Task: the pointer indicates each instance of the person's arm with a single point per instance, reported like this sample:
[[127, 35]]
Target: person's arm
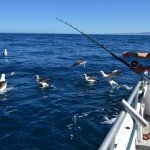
[[141, 69], [144, 55]]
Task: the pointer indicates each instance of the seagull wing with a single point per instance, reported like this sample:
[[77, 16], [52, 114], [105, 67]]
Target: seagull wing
[[44, 80], [92, 77], [115, 73], [75, 64], [2, 84]]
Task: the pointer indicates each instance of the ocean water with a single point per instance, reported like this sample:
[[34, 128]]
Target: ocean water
[[71, 113]]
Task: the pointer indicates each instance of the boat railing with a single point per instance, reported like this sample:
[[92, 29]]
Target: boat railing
[[109, 141]]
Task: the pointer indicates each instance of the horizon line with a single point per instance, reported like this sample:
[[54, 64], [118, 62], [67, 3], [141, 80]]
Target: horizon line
[[126, 33]]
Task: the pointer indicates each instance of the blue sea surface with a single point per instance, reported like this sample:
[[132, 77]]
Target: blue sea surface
[[70, 114]]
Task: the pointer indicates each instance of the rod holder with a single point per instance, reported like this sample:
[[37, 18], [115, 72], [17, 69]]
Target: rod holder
[[138, 118]]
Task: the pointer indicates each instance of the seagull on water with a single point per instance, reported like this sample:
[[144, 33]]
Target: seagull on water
[[112, 74], [42, 82], [12, 74], [90, 79], [3, 84], [79, 62], [5, 52]]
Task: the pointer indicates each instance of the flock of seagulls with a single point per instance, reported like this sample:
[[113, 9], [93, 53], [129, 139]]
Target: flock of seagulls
[[43, 83], [3, 83], [108, 77]]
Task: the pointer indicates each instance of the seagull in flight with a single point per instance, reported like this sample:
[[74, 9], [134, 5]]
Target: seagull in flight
[[42, 82], [79, 62]]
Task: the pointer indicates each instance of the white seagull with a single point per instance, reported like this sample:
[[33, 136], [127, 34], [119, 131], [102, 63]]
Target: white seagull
[[12, 74], [3, 84], [42, 82], [90, 79], [5, 52], [112, 74], [114, 84], [79, 62]]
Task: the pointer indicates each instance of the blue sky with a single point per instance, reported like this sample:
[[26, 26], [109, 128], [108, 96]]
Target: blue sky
[[90, 16]]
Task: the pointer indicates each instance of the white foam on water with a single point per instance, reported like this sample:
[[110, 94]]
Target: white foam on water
[[10, 88], [108, 121], [117, 87], [126, 87]]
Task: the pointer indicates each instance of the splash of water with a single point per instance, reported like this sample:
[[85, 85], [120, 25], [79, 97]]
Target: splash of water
[[108, 121]]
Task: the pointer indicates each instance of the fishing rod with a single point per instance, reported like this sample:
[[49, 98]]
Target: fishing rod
[[101, 45], [134, 64]]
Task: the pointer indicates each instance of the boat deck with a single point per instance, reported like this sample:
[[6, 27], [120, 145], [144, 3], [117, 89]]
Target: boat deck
[[125, 138], [145, 144]]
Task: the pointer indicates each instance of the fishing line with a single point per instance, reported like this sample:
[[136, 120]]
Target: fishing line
[[134, 63]]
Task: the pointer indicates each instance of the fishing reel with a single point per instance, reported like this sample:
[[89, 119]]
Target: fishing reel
[[135, 64]]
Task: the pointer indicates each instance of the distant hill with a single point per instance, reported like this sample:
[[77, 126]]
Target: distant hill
[[130, 33], [140, 33], [144, 33]]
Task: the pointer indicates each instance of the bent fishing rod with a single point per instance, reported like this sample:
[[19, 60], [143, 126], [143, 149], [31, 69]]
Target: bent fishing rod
[[134, 63]]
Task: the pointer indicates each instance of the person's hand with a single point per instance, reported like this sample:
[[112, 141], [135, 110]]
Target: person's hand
[[128, 54]]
